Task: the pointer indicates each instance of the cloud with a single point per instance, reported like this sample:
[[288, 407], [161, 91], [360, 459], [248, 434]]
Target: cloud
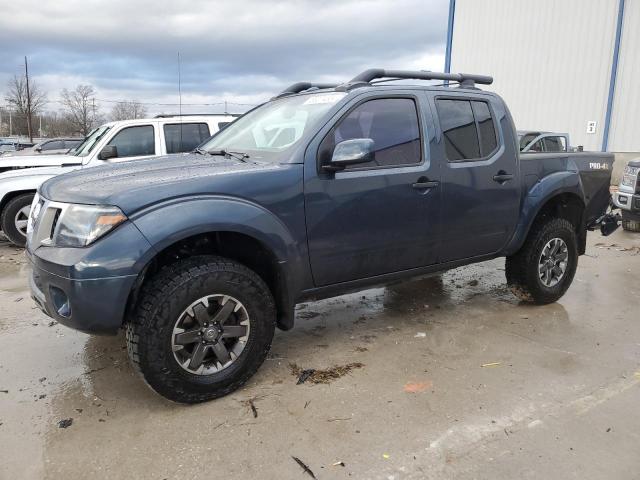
[[239, 50]]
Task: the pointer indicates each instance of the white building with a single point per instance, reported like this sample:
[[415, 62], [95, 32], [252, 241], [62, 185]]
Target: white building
[[561, 65]]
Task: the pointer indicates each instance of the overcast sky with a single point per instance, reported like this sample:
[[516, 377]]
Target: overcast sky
[[242, 51]]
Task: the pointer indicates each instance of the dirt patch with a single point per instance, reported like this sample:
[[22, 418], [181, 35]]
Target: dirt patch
[[322, 375]]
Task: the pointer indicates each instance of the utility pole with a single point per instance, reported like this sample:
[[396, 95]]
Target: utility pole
[[26, 74]]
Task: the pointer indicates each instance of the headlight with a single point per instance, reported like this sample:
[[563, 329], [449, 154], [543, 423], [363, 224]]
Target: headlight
[[629, 176], [81, 225]]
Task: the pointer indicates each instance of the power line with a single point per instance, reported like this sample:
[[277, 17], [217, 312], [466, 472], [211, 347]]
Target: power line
[[167, 104]]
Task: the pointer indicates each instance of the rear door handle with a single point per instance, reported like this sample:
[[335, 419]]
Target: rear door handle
[[423, 185], [502, 177]]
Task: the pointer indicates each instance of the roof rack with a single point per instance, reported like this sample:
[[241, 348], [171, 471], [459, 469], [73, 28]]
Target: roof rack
[[464, 79], [170, 115], [302, 86]]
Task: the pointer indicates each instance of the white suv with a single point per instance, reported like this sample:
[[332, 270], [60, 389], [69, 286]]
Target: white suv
[[113, 142]]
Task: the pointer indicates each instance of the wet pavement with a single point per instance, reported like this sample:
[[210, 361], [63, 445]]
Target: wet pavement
[[459, 380]]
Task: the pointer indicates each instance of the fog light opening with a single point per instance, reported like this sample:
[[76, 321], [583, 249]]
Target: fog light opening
[[60, 302]]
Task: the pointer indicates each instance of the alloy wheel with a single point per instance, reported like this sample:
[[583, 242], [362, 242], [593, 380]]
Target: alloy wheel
[[553, 261], [210, 334]]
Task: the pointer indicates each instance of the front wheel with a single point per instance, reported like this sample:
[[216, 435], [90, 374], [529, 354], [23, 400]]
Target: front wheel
[[630, 223], [202, 328], [543, 269], [15, 216]]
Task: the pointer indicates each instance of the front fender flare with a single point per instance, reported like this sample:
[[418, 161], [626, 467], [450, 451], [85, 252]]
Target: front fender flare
[[169, 222], [177, 219]]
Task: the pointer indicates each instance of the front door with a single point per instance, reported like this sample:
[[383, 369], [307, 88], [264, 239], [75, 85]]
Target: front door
[[375, 218]]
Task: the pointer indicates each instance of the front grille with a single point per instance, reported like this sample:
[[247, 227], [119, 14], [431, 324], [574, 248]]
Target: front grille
[[44, 225]]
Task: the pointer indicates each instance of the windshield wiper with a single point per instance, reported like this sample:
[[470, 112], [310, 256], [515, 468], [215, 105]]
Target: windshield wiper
[[201, 151], [226, 153]]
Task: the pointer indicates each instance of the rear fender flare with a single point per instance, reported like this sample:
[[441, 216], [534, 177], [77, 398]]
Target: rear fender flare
[[536, 198]]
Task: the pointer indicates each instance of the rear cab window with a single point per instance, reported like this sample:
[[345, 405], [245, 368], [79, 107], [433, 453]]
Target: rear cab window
[[392, 124], [468, 128]]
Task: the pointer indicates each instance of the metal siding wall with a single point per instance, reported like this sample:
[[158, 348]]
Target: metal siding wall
[[551, 60], [625, 120]]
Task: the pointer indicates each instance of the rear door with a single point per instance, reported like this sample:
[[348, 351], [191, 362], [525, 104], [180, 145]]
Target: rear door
[[375, 218], [480, 178]]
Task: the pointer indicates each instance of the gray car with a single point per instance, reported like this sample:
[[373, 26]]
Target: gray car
[[51, 146]]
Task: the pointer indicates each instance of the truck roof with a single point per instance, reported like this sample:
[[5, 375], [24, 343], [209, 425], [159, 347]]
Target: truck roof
[[174, 118]]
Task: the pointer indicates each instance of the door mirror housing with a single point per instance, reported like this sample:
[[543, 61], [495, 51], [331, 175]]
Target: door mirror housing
[[107, 152], [351, 152], [38, 149]]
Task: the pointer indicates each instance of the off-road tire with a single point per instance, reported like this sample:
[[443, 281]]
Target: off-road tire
[[161, 301], [629, 223], [7, 219], [522, 268]]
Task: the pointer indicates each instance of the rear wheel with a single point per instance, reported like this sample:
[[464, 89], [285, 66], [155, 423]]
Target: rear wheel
[[14, 218], [630, 223], [202, 328], [543, 269]]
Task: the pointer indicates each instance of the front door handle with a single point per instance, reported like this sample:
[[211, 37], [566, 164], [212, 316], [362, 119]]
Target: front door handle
[[424, 184], [502, 177]]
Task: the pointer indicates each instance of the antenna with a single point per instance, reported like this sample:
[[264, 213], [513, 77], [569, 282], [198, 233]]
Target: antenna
[[180, 99]]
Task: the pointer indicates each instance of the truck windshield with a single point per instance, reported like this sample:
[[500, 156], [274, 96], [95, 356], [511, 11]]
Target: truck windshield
[[526, 139], [87, 145], [275, 126]]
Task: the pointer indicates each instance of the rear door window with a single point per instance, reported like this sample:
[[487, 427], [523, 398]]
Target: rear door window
[[135, 141], [468, 128], [184, 137], [486, 128], [458, 126]]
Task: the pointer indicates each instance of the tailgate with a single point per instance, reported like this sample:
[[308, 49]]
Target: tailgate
[[595, 173]]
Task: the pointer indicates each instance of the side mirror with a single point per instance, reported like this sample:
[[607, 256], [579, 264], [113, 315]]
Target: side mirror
[[351, 152], [107, 152], [38, 149]]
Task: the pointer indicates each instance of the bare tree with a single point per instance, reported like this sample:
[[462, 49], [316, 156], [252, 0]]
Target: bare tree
[[80, 108], [25, 103], [128, 110]]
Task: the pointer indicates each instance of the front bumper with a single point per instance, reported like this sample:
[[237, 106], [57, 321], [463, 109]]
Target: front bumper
[[90, 305], [627, 201], [88, 288]]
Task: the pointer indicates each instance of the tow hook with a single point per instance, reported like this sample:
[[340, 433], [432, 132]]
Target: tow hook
[[609, 223]]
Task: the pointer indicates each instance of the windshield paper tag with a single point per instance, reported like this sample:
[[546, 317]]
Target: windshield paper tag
[[324, 98]]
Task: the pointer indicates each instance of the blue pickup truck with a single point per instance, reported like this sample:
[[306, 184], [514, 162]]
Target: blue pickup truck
[[323, 190]]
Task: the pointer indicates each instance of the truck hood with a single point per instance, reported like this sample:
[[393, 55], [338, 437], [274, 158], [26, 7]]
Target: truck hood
[[32, 161], [135, 184]]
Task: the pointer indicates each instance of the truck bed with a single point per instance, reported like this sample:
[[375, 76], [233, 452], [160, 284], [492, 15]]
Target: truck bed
[[594, 169]]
